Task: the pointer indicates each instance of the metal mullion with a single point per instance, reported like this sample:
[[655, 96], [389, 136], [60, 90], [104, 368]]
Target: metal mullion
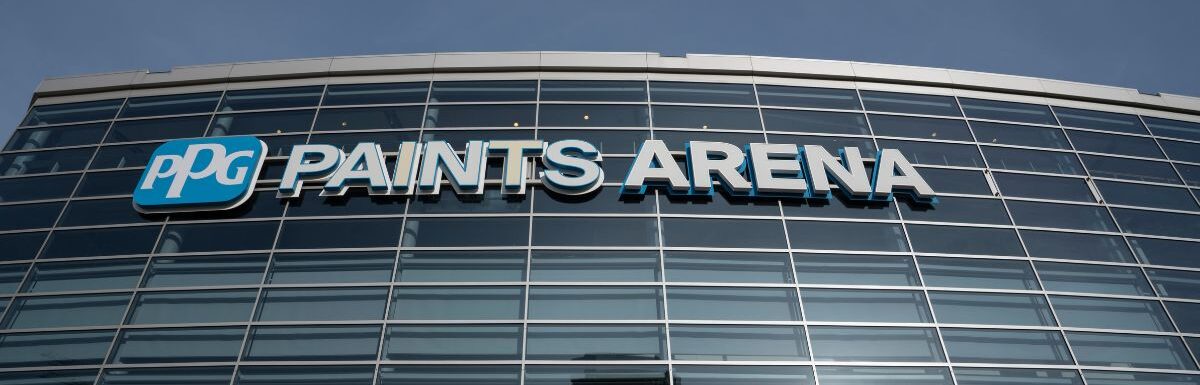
[[257, 297], [387, 307], [1173, 167], [528, 282], [662, 276]]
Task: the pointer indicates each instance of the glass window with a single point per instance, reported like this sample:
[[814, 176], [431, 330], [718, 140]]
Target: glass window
[[453, 342], [593, 232], [1039, 214], [330, 375], [712, 233], [605, 302], [702, 266], [171, 105], [678, 140], [991, 309], [831, 143], [593, 90], [336, 119], [955, 209], [956, 181], [1147, 195], [594, 266], [36, 188], [384, 93], [422, 232], [457, 303], [977, 273], [218, 236], [865, 305], [1006, 346], [743, 375], [1157, 222], [846, 236], [181, 375], [483, 91], [261, 123], [57, 377], [913, 127], [1043, 187], [40, 162], [500, 115], [1176, 283], [1020, 135], [738, 343], [1132, 169], [1097, 120], [459, 139], [838, 206], [1166, 252], [602, 200], [705, 93], [356, 202], [910, 103], [459, 266], [808, 97], [1130, 351], [49, 137], [577, 375], [989, 376], [193, 307], [54, 349], [491, 201], [1015, 112], [72, 112], [66, 311], [96, 242], [748, 304], [84, 275], [1181, 151], [1173, 128], [147, 346], [243, 100], [1032, 160], [155, 129], [940, 154], [281, 145], [595, 342], [325, 304], [206, 270], [1186, 316], [351, 233], [1095, 377], [1111, 313], [312, 343], [724, 118], [835, 269], [103, 212], [607, 141], [1115, 144], [838, 343], [815, 121], [18, 246], [132, 155], [1083, 247], [593, 115], [1093, 278], [108, 183], [10, 277], [461, 374]]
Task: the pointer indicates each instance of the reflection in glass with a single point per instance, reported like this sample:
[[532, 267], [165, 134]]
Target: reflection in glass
[[738, 343]]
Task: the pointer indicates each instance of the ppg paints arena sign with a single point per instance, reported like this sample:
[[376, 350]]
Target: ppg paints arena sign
[[220, 173]]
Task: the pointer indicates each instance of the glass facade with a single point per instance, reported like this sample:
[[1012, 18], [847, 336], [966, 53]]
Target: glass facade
[[1063, 248]]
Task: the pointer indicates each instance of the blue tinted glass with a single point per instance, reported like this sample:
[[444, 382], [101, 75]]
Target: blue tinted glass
[[831, 143], [723, 118], [37, 188], [952, 181], [1084, 247], [994, 309], [386, 93], [19, 246], [593, 90], [834, 269], [457, 303], [243, 100], [1016, 112], [326, 304], [502, 115], [865, 305], [913, 127], [595, 342], [352, 203], [144, 346], [335, 119], [1157, 222], [708, 93], [1132, 169], [910, 103], [955, 209], [206, 271], [56, 377], [814, 121], [193, 307], [1147, 195], [103, 212], [1044, 187], [1096, 120], [1115, 144], [453, 342], [73, 112], [577, 375], [353, 233], [846, 236], [698, 266], [1186, 315], [1006, 346], [154, 129], [450, 374], [11, 276], [1173, 128], [218, 236], [711, 233], [1110, 313], [108, 183], [54, 349], [1093, 278], [95, 242], [592, 232], [460, 266], [607, 141], [1020, 135], [1095, 377], [1039, 214], [743, 375], [184, 375], [66, 311], [589, 303], [331, 267], [132, 155], [305, 375], [593, 115], [978, 273], [421, 232], [738, 343], [1166, 252], [261, 123], [90, 275], [603, 200], [312, 343], [1032, 160], [1124, 350], [594, 266], [171, 105], [991, 376], [854, 375], [838, 343], [1176, 283], [484, 91], [750, 304], [40, 162], [838, 207], [1181, 151], [35, 138], [940, 154], [808, 97]]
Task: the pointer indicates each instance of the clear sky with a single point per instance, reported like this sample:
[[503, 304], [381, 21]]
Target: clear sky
[[1150, 45]]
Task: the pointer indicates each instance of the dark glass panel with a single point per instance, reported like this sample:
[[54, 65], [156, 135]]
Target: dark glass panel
[[857, 375], [594, 266], [1132, 169], [595, 342], [839, 343], [504, 115], [218, 236], [336, 119], [351, 233], [1032, 160], [600, 374], [261, 123], [450, 374], [37, 138], [38, 188], [357, 202], [977, 273], [72, 112], [1083, 247], [1115, 144], [1158, 223], [312, 343], [444, 232], [743, 375], [108, 183], [1015, 112], [814, 121], [305, 375], [1099, 279], [694, 232], [193, 307], [991, 309], [1096, 120], [604, 200], [1166, 252], [218, 270], [1181, 151], [171, 104], [331, 267], [607, 141], [808, 97], [180, 375], [866, 146], [913, 127], [484, 91], [103, 212], [1006, 346], [84, 275], [724, 118], [703, 93], [956, 181], [1173, 128], [846, 236], [941, 154], [152, 346], [738, 343], [592, 232], [835, 269], [448, 202], [595, 303], [1111, 313], [461, 266], [1126, 351], [992, 376], [54, 349], [593, 115], [39, 162], [910, 103], [964, 240], [746, 304], [1044, 187], [384, 93], [453, 342], [956, 209], [840, 305], [457, 303], [593, 90], [1040, 214], [95, 242], [1176, 283], [131, 155], [19, 246], [324, 304], [66, 311], [1020, 135], [1147, 195], [709, 266], [29, 216], [243, 100], [155, 129]]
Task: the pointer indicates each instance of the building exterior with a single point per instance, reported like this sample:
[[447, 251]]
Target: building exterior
[[1063, 247]]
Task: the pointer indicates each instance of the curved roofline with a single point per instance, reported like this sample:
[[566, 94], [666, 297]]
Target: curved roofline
[[737, 65]]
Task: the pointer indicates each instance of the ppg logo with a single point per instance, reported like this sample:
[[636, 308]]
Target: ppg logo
[[200, 174]]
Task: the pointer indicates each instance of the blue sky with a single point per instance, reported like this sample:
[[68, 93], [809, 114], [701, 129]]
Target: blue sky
[[1149, 45]]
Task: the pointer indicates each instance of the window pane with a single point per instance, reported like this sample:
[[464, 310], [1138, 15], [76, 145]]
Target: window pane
[[10, 277], [989, 376], [40, 162], [484, 91], [86, 275], [834, 375], [964, 240], [955, 209], [54, 349], [505, 115], [133, 155], [457, 303], [738, 343], [433, 232], [603, 200], [1115, 144], [593, 90], [1080, 217], [206, 271], [712, 233], [865, 305], [594, 266], [153, 129], [991, 309], [831, 143], [386, 93], [808, 97], [1166, 252], [723, 118], [95, 242], [956, 181], [218, 236], [66, 311], [1147, 195], [814, 121], [171, 105], [326, 304], [332, 267], [335, 119], [593, 232], [56, 377], [846, 236], [72, 112], [1136, 351], [1093, 278], [108, 183], [297, 375], [607, 141], [184, 375], [758, 304], [698, 266], [1109, 313], [312, 343], [352, 233], [35, 138], [743, 375], [1132, 169], [146, 346], [450, 374], [271, 98], [193, 307], [1131, 378], [1173, 128], [1016, 112], [1097, 120], [834, 269], [1084, 247], [1031, 160], [977, 273], [593, 115], [707, 93], [578, 375], [1006, 346], [910, 103], [595, 343], [18, 246], [590, 303], [461, 266], [261, 123], [29, 216], [103, 212], [1176, 283], [1157, 223], [912, 127], [1020, 135], [457, 342], [941, 154], [37, 188], [838, 343], [1044, 187], [1181, 151], [459, 139], [1186, 316]]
